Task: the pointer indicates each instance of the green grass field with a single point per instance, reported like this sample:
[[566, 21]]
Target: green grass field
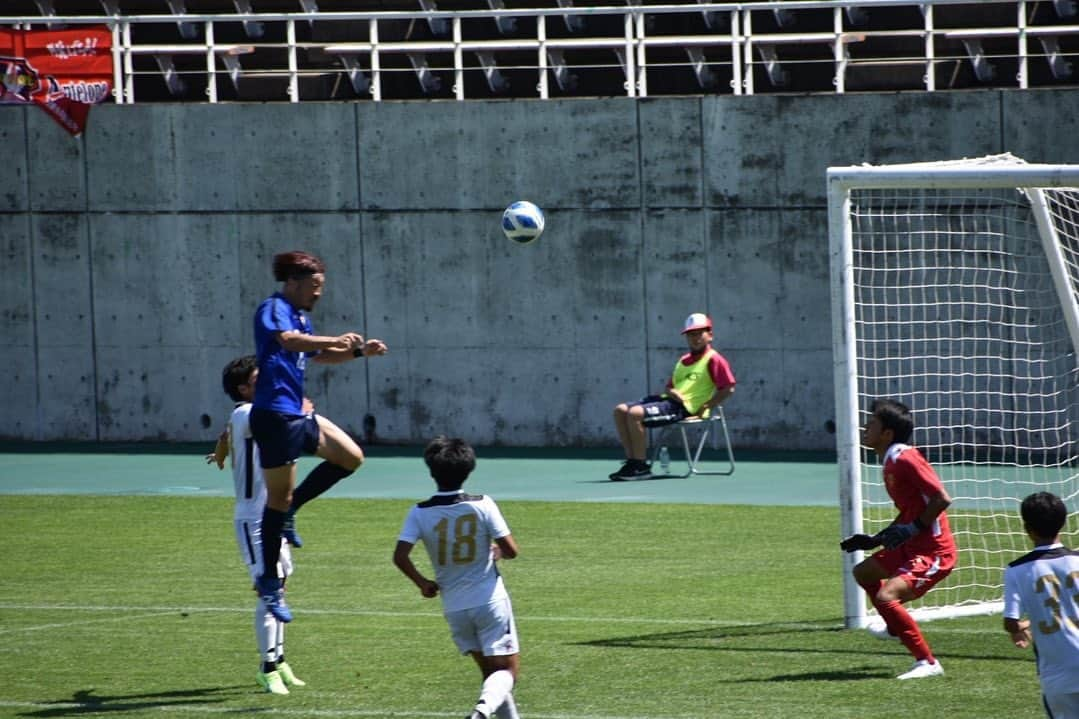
[[140, 607]]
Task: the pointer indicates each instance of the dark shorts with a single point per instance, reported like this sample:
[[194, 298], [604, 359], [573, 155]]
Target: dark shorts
[[283, 438], [659, 411]]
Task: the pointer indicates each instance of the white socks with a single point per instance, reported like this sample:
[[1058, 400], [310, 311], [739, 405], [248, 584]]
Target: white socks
[[508, 710], [266, 633], [496, 689]]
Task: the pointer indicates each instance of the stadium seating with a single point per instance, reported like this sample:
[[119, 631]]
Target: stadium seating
[[297, 50]]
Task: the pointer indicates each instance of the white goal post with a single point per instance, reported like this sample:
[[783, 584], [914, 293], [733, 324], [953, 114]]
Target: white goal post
[[954, 291]]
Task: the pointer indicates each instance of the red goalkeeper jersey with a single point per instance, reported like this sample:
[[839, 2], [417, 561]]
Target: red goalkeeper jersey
[[911, 482]]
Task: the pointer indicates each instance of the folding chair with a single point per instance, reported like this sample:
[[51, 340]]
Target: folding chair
[[711, 425]]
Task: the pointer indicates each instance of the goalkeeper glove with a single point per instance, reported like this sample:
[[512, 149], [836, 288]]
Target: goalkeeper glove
[[895, 534], [859, 541]]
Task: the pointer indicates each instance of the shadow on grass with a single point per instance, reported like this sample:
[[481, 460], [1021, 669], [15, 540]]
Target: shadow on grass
[[86, 702], [708, 636], [826, 637], [846, 675]]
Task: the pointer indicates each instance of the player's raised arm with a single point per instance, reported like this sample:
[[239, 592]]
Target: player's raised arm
[[221, 450]]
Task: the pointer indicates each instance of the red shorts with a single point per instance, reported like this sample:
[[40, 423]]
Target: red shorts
[[921, 572]]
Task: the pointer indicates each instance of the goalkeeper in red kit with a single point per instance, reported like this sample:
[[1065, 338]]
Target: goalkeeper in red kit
[[918, 548]]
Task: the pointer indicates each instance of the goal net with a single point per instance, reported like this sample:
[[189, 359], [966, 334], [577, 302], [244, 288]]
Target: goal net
[[954, 291]]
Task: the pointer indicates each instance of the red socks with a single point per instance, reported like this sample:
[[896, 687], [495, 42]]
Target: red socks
[[901, 624]]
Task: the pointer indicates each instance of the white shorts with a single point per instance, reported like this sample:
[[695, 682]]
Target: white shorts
[[249, 539], [1062, 706], [488, 629]]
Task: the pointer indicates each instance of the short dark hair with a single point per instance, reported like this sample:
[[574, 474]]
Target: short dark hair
[[895, 416], [296, 263], [236, 373], [1044, 514], [450, 460]]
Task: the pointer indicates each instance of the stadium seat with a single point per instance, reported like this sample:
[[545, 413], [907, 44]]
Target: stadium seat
[[702, 429], [163, 55]]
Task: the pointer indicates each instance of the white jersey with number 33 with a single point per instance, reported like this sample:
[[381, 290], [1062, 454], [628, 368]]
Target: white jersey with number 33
[[1044, 586], [457, 530]]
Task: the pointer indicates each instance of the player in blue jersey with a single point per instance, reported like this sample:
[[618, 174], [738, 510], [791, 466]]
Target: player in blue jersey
[[464, 536], [284, 342], [239, 379], [1042, 586]]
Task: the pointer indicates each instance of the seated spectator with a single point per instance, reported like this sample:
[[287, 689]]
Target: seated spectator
[[702, 379]]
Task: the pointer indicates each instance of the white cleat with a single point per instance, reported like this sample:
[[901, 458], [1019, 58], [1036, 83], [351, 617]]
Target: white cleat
[[923, 668], [880, 631]]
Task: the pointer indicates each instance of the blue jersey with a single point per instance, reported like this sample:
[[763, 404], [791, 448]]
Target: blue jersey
[[280, 383]]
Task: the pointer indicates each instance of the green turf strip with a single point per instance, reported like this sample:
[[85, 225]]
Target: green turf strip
[[139, 607]]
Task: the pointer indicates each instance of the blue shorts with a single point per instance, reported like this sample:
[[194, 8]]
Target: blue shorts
[[283, 438], [659, 411]]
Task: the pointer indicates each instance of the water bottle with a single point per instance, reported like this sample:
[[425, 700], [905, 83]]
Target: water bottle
[[664, 459]]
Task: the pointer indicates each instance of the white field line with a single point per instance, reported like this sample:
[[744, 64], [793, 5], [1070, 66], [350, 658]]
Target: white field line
[[427, 615], [126, 611], [205, 709], [60, 625]]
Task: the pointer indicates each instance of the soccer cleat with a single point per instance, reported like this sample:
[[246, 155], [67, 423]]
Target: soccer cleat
[[272, 682], [923, 668], [478, 712], [288, 677], [273, 596], [880, 631], [288, 530], [632, 469]]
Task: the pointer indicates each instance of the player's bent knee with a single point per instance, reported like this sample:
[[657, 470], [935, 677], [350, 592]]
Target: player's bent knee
[[498, 663], [353, 462]]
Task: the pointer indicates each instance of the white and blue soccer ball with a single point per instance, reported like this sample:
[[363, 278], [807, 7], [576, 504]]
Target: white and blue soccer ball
[[522, 222]]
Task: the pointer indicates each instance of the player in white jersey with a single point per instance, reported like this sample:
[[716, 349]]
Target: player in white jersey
[[1044, 587], [238, 380], [464, 536]]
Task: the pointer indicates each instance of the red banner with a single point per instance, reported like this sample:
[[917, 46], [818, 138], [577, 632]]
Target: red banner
[[63, 71]]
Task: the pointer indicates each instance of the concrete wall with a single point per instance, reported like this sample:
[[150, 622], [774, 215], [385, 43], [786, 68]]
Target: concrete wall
[[135, 255]]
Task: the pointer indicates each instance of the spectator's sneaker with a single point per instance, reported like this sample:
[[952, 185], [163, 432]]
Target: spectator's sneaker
[[272, 682], [632, 469], [273, 596], [288, 677], [923, 668], [288, 530]]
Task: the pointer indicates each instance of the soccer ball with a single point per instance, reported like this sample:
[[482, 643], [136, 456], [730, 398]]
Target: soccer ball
[[522, 222]]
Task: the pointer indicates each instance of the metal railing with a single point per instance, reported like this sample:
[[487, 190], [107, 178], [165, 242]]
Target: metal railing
[[631, 50]]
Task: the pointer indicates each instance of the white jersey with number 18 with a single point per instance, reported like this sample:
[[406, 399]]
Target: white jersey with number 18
[[457, 530]]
